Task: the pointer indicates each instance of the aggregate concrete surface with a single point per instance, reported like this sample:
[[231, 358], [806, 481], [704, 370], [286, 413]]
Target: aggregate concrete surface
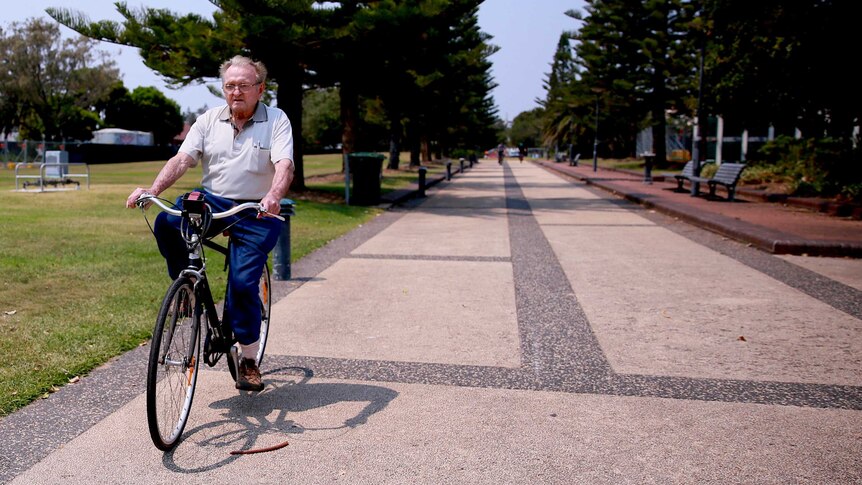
[[515, 326]]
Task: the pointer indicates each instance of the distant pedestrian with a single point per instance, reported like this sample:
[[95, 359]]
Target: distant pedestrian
[[501, 153]]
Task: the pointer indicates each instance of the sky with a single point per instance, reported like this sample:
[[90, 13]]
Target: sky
[[526, 31]]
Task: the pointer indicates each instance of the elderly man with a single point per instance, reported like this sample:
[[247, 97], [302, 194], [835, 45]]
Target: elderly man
[[246, 152]]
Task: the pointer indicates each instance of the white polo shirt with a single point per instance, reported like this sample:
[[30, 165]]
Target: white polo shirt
[[241, 166]]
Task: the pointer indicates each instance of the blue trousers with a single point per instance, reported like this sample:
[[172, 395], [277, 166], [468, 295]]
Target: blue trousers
[[251, 241]]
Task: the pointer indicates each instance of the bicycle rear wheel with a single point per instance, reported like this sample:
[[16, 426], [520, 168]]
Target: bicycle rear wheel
[[265, 307], [172, 371]]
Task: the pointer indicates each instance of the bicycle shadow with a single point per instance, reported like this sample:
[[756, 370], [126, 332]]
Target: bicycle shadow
[[269, 416]]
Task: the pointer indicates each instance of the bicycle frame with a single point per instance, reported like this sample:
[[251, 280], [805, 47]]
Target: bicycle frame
[[217, 341], [188, 305]]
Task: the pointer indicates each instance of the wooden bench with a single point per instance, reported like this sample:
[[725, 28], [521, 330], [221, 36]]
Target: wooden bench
[[728, 175]]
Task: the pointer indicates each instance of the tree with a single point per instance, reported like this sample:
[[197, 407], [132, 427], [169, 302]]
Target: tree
[[284, 35], [144, 109], [450, 105], [565, 107], [576, 100], [467, 85], [305, 44], [321, 122], [49, 86], [527, 128], [783, 63], [638, 56], [409, 75]]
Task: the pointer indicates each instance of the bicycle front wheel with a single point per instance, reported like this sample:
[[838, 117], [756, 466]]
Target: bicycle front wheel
[[172, 371]]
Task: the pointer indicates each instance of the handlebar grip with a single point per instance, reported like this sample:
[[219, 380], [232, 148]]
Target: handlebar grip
[[143, 198]]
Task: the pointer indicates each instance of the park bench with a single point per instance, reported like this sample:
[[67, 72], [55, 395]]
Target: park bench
[[686, 174], [56, 175], [728, 175]]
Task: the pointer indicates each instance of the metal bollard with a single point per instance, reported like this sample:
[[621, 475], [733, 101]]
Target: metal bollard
[[449, 170], [462, 165], [422, 171], [281, 254]]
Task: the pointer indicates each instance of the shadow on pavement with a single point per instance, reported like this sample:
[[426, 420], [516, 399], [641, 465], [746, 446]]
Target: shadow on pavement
[[250, 421]]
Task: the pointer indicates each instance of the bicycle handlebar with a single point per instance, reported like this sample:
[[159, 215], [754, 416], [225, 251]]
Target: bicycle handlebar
[[215, 215]]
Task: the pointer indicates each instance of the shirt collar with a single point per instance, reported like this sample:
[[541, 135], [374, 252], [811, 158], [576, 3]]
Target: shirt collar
[[259, 115]]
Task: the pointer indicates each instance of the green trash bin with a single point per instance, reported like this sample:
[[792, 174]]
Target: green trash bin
[[366, 170]]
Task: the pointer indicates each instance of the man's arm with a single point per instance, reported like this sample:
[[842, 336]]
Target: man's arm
[[170, 173], [271, 202]]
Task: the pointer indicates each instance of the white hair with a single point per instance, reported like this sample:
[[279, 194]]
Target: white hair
[[258, 66]]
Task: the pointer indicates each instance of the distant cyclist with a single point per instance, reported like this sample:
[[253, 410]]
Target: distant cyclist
[[501, 153], [522, 152]]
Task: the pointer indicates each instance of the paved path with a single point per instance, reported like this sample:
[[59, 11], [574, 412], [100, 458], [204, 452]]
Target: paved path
[[514, 327], [780, 228]]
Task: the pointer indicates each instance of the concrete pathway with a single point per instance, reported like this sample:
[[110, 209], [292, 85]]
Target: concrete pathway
[[514, 327], [782, 228]]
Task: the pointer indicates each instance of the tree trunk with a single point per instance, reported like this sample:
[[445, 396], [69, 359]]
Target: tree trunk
[[659, 129], [289, 99], [349, 116], [660, 139], [394, 140], [425, 147], [413, 143]]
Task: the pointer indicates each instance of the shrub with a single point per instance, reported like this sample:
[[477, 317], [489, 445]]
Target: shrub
[[813, 167], [708, 170]]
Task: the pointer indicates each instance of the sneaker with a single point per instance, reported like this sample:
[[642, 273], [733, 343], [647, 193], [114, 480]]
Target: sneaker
[[248, 377]]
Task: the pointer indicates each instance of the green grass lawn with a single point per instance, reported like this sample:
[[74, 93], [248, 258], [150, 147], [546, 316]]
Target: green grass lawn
[[81, 277], [326, 164]]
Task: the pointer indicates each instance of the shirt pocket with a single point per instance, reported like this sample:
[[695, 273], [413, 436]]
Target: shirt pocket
[[260, 160]]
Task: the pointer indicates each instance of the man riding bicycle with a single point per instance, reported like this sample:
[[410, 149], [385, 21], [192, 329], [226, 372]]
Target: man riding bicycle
[[246, 152]]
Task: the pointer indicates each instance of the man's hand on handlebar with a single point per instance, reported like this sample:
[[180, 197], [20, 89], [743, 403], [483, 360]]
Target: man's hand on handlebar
[[132, 201], [271, 205]]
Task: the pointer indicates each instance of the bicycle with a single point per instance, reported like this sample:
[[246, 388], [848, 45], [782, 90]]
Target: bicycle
[[187, 314]]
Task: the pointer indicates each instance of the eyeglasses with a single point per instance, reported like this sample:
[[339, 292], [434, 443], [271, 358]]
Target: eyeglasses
[[244, 87]]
